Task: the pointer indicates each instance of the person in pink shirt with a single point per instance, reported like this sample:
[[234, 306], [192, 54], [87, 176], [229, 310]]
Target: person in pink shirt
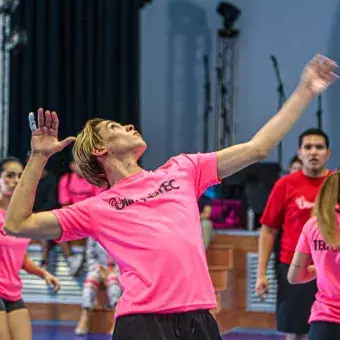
[[148, 221], [72, 188], [317, 255], [14, 318]]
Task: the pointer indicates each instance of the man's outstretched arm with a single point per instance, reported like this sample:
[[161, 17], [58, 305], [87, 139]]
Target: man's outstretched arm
[[19, 219], [317, 76]]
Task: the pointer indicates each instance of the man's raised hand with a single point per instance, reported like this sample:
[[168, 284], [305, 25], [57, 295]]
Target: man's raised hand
[[44, 139]]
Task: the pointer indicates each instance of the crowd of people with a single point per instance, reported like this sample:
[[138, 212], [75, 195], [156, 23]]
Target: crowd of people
[[149, 224]]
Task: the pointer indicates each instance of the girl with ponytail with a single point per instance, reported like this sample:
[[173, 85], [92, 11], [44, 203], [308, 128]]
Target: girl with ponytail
[[317, 256]]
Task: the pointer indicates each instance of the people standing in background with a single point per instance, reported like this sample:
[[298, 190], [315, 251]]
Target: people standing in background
[[74, 188], [295, 164], [102, 269], [47, 199], [288, 208]]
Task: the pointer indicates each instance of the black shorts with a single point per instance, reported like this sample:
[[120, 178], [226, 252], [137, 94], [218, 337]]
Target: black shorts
[[10, 306], [321, 330], [294, 303], [195, 325]]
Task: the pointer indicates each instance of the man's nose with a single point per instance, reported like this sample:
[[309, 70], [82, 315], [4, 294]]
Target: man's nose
[[314, 151], [129, 127]]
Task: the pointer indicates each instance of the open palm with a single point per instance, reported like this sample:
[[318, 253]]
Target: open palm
[[319, 74], [45, 138]]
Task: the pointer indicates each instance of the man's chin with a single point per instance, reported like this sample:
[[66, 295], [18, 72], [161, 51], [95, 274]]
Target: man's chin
[[316, 168]]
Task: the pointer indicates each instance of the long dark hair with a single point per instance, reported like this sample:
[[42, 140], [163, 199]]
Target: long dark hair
[[7, 160]]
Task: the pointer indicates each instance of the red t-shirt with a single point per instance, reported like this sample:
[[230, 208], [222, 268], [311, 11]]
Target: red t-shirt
[[289, 207]]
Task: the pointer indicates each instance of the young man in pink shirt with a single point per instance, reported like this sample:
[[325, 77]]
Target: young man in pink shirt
[[149, 221], [317, 256]]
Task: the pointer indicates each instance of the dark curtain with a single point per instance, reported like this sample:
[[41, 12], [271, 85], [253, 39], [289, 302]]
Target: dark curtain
[[82, 60]]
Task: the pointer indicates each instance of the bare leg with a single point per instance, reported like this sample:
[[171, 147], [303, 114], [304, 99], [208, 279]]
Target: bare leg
[[75, 261], [89, 301], [20, 324], [84, 322], [4, 329], [46, 249], [65, 247]]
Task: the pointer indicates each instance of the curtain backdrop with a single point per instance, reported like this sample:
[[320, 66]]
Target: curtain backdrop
[[82, 60]]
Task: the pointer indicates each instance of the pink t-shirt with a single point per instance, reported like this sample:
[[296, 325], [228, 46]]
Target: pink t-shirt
[[327, 263], [149, 223], [73, 189], [12, 255]]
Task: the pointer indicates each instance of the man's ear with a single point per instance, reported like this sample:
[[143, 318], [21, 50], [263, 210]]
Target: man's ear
[[99, 152]]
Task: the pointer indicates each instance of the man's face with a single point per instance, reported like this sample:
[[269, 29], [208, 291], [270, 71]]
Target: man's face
[[314, 153], [121, 140]]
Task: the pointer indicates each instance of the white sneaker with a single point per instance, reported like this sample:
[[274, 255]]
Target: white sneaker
[[75, 263], [81, 331]]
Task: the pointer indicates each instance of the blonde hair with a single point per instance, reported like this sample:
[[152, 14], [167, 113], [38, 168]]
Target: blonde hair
[[88, 140], [324, 210]]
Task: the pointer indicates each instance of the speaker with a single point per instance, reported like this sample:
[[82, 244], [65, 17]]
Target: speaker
[[264, 172], [256, 195], [262, 175]]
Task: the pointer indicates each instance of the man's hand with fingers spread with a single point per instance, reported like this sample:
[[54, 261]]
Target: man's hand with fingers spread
[[44, 139]]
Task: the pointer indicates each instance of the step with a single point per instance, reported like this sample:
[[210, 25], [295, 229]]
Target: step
[[102, 321], [220, 240], [220, 255], [219, 277]]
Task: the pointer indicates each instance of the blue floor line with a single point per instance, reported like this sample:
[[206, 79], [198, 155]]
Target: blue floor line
[[259, 331], [230, 331], [53, 323]]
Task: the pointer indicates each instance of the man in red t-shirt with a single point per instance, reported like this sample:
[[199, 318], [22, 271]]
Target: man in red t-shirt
[[288, 208]]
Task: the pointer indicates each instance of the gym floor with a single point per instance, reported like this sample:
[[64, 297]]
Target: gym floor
[[53, 330]]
